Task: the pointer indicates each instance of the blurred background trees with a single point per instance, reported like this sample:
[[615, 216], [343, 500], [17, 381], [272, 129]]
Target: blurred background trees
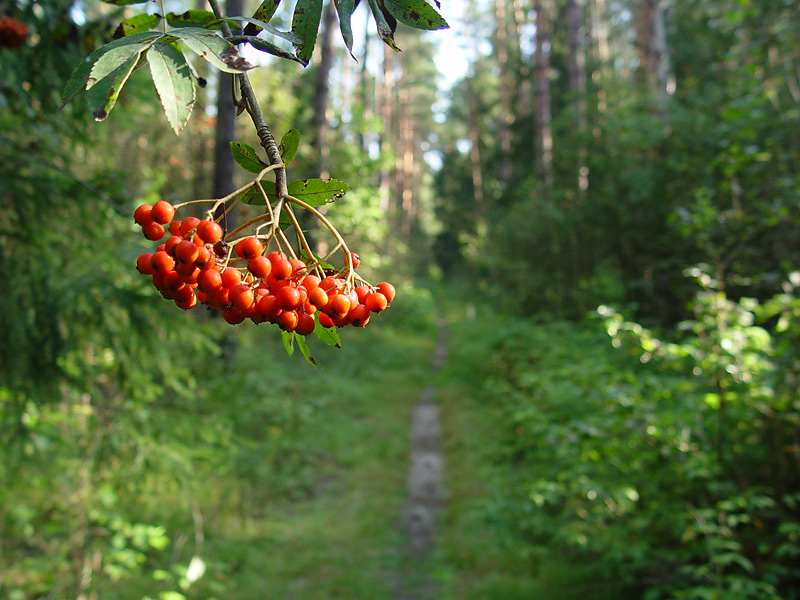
[[588, 152]]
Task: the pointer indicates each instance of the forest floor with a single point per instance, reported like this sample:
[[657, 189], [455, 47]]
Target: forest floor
[[425, 488]]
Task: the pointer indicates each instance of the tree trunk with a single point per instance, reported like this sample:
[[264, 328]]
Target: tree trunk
[[652, 47], [387, 82], [542, 129], [505, 118], [577, 86], [224, 165], [320, 124], [475, 148]]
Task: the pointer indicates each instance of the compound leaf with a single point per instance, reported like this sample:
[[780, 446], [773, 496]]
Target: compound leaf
[[303, 347], [190, 18], [305, 23], [263, 13], [174, 84], [247, 157], [416, 13], [386, 23], [213, 48], [317, 192], [345, 10], [327, 335], [103, 95], [270, 48], [80, 76], [289, 144], [136, 24]]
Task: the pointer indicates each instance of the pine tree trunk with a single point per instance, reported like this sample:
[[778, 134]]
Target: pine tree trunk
[[542, 129], [320, 124], [505, 118], [387, 82], [652, 47], [577, 86]]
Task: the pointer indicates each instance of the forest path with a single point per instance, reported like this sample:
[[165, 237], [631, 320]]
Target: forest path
[[425, 489]]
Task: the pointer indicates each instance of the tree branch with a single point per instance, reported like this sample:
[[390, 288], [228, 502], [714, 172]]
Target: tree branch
[[264, 134]]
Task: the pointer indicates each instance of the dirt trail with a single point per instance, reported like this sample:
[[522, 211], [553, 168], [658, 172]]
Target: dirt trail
[[425, 489]]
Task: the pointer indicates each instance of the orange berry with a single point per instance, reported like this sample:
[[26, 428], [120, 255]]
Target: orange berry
[[205, 258], [359, 316], [142, 214], [231, 277], [172, 241], [233, 317], [175, 227], [188, 224], [325, 320], [162, 262], [144, 265], [281, 268], [209, 280], [338, 305], [305, 324], [259, 266], [187, 304], [153, 231], [248, 248], [387, 289], [310, 282], [242, 296], [268, 306], [356, 259], [162, 212], [289, 298], [210, 231], [186, 252], [376, 302], [318, 297], [287, 320]]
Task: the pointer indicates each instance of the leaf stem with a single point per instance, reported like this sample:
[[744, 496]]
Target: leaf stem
[[264, 134]]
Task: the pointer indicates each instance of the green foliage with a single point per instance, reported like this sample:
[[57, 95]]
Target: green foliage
[[665, 469]]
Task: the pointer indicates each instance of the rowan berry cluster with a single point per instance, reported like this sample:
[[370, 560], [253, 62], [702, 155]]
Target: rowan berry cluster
[[241, 278], [13, 33]]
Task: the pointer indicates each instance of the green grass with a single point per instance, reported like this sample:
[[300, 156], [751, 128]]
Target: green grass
[[334, 533]]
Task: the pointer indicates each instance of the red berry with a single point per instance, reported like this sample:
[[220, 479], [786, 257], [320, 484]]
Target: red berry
[[210, 231], [205, 258], [142, 214], [187, 304], [188, 224], [318, 297], [310, 282], [162, 262], [153, 231], [209, 280], [289, 298], [359, 316], [356, 259], [231, 277], [259, 266], [242, 296], [162, 212], [281, 268], [305, 324], [376, 302], [186, 252], [338, 305], [387, 289], [234, 317], [268, 306], [248, 248], [144, 265], [325, 320], [287, 320]]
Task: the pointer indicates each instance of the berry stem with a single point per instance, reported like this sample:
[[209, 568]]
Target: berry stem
[[253, 109]]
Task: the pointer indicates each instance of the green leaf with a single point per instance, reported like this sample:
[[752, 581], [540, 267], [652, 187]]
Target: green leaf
[[289, 144], [253, 195], [217, 51], [136, 24], [289, 36], [270, 48], [103, 96], [317, 192], [79, 77], [327, 334], [386, 24], [345, 10], [247, 158], [125, 2], [305, 23], [303, 347], [113, 59], [263, 13], [174, 83], [190, 18], [288, 339], [416, 13]]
